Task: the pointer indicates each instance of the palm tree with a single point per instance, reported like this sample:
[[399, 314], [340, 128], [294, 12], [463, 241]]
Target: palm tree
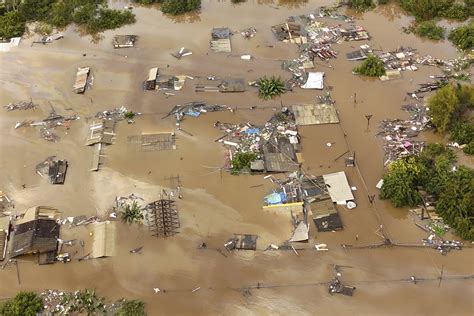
[[131, 213], [270, 87]]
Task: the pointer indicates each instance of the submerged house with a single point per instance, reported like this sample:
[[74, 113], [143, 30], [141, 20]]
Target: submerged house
[[150, 82], [124, 41], [220, 40], [36, 233], [81, 79]]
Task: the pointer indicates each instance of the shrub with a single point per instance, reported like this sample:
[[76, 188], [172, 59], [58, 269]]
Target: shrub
[[361, 5], [430, 30], [242, 161], [176, 7], [469, 148], [132, 308], [131, 213], [463, 36], [463, 133], [24, 304], [11, 25], [108, 19], [456, 12], [373, 67]]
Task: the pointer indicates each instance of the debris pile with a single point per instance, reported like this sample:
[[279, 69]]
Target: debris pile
[[396, 133], [54, 169], [248, 32], [117, 114], [428, 87], [183, 52], [195, 109], [21, 105], [275, 144]]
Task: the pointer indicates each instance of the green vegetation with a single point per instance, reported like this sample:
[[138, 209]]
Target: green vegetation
[[463, 134], [93, 16], [84, 302], [430, 30], [174, 7], [270, 87], [463, 36], [449, 105], [242, 161], [361, 5], [132, 308], [23, 304], [424, 10], [129, 115], [433, 171], [131, 213], [373, 67], [11, 25]]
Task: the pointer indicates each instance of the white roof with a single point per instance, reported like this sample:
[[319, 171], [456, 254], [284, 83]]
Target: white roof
[[300, 233], [153, 73], [338, 187], [315, 81], [14, 41]]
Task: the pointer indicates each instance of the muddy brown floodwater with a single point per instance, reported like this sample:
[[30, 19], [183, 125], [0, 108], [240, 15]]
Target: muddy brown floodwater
[[217, 205]]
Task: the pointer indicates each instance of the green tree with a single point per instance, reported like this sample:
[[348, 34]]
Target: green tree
[[132, 308], [24, 304], [400, 182], [456, 201], [449, 104], [430, 30], [176, 7], [463, 36], [11, 25], [131, 213], [270, 87], [463, 133], [373, 66]]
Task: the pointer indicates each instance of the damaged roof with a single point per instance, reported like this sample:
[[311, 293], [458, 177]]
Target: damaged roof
[[36, 236]]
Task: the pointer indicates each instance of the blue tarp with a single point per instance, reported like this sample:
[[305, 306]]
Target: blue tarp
[[193, 113], [252, 131], [276, 198]]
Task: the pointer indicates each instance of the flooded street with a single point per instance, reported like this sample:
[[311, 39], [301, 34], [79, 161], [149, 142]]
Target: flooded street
[[216, 204]]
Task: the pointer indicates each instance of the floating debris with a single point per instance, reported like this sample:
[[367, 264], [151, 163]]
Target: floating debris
[[21, 105], [248, 33]]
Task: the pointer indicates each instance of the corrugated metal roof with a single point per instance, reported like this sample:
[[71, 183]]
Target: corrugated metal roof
[[338, 187], [103, 243], [315, 114]]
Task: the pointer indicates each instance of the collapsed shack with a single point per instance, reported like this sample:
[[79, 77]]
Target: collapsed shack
[[54, 169], [36, 233], [304, 196], [100, 134], [220, 40], [194, 109], [397, 133], [150, 82], [153, 142], [335, 286], [81, 81], [21, 105], [242, 242], [124, 41], [276, 144], [47, 126], [227, 85], [314, 39]]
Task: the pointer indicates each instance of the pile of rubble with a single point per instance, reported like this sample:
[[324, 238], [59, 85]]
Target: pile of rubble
[[21, 105], [48, 125], [195, 109], [396, 133], [117, 114]]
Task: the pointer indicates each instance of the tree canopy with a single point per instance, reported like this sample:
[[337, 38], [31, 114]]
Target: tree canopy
[[430, 30], [132, 308], [449, 104], [92, 15], [24, 304], [463, 36], [433, 171], [373, 67], [270, 87]]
